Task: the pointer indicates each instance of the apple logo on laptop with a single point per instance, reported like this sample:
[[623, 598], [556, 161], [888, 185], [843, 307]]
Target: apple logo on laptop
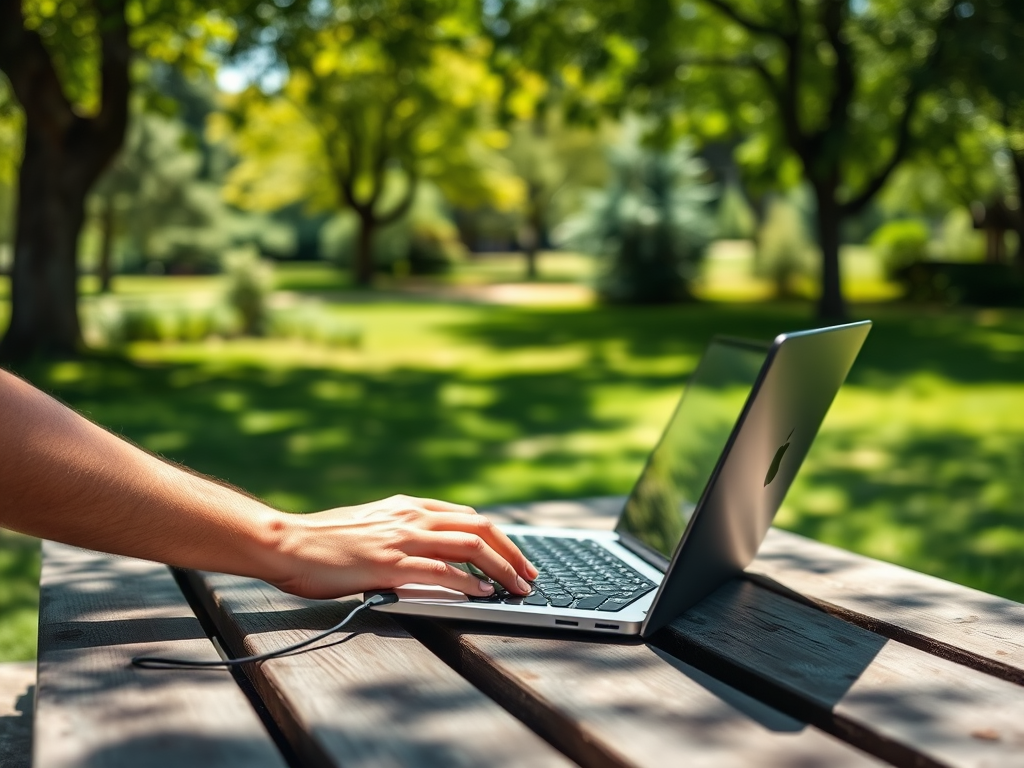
[[773, 470]]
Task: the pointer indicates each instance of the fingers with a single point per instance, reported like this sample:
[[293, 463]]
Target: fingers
[[490, 533], [436, 505], [425, 570], [460, 547]]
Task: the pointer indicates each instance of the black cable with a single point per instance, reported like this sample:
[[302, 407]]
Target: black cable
[[156, 662]]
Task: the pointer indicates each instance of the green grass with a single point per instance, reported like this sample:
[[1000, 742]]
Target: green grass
[[921, 460]]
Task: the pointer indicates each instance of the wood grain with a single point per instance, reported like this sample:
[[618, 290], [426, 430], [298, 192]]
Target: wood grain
[[93, 709], [949, 620], [613, 703], [376, 697], [903, 704]]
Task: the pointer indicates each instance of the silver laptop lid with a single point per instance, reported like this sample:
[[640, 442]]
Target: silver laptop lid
[[677, 471], [753, 459]]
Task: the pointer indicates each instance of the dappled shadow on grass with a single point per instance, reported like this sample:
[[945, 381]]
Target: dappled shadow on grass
[[313, 438], [310, 437], [942, 502], [964, 345]]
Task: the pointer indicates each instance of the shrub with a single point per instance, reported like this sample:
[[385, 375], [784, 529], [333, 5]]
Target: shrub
[[899, 244], [312, 322], [735, 218], [250, 281], [957, 238], [651, 223], [785, 253], [110, 322]]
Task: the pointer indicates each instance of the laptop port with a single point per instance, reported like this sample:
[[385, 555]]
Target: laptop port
[[566, 623], [606, 626]]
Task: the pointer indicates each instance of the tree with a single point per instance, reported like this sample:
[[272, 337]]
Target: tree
[[154, 206], [651, 222], [551, 158], [377, 95], [68, 65], [982, 69], [828, 91], [64, 153]]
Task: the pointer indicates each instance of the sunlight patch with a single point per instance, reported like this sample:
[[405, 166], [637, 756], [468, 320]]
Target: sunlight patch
[[461, 395], [265, 422], [162, 442], [305, 443], [333, 391], [230, 400], [66, 373]]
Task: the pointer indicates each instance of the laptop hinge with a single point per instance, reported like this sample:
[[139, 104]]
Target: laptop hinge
[[645, 553]]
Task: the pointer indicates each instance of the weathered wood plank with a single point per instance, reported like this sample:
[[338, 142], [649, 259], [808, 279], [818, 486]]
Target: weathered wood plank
[[614, 703], [376, 697], [17, 691], [93, 709], [898, 702], [970, 627]]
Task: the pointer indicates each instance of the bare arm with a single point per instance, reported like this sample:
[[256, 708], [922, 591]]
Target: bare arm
[[66, 479]]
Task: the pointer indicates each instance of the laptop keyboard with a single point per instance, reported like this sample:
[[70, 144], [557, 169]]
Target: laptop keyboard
[[575, 573]]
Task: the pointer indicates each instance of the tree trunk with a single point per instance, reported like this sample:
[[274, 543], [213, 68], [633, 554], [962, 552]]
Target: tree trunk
[[1018, 167], [831, 305], [51, 211], [64, 155], [106, 267], [363, 267], [530, 237]]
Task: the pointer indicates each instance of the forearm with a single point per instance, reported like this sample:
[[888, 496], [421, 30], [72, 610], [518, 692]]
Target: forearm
[[64, 478]]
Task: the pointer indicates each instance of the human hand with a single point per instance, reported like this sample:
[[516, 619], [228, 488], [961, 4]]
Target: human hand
[[395, 541]]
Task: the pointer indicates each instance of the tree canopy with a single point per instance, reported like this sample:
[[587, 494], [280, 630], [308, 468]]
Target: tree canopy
[[374, 94]]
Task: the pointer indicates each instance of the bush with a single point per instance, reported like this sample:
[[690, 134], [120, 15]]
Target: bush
[[735, 218], [651, 224], [899, 244], [957, 238], [311, 322], [109, 322], [250, 282], [785, 253]]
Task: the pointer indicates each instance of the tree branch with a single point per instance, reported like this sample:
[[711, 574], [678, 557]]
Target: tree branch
[[109, 126], [29, 68], [403, 207], [846, 83], [740, 62], [745, 21], [383, 150], [789, 97], [918, 83], [115, 83]]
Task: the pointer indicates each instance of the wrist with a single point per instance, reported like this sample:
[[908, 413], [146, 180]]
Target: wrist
[[277, 539]]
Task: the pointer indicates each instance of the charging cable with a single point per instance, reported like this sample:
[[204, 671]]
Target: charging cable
[[156, 662]]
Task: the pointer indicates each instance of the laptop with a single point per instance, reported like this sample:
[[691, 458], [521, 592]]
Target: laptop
[[702, 505]]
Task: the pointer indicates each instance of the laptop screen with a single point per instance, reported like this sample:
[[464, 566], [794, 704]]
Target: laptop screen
[[667, 492]]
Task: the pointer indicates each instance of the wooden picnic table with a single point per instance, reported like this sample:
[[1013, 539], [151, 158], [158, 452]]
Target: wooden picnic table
[[818, 657]]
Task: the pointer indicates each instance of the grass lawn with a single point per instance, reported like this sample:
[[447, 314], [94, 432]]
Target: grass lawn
[[921, 460]]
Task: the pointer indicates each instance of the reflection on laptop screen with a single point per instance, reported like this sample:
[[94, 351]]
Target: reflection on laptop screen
[[667, 492]]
